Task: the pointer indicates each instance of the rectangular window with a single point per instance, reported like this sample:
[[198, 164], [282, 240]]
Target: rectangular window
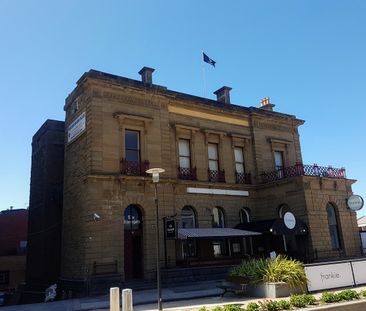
[[278, 155], [213, 158], [184, 153], [239, 160], [4, 277], [132, 145]]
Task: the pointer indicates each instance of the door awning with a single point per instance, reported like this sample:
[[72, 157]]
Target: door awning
[[184, 233], [275, 226]]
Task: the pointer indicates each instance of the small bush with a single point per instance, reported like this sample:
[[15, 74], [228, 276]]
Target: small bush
[[348, 294], [203, 309], [328, 297], [269, 305], [232, 308], [284, 304], [252, 306], [217, 308], [301, 301], [363, 293]]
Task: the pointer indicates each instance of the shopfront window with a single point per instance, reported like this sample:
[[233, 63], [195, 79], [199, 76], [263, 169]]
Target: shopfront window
[[244, 216], [188, 217]]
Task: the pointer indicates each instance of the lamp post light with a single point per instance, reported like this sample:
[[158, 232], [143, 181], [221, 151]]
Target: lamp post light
[[155, 178]]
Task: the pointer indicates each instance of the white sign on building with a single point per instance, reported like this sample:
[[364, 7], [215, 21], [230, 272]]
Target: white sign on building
[[359, 268], [76, 127], [327, 276]]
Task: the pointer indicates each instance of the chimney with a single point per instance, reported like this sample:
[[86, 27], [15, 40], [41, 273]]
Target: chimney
[[146, 74], [266, 104], [223, 94]]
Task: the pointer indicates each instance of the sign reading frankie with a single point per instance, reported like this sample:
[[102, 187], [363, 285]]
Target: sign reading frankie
[[76, 127], [326, 276]]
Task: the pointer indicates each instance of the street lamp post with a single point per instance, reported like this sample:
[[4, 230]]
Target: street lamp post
[[155, 178]]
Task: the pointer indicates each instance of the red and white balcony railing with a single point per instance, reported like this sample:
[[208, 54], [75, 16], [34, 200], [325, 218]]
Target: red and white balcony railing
[[187, 173], [216, 176], [134, 168]]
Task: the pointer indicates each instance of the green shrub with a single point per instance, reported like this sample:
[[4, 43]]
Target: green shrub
[[290, 271], [348, 294], [253, 270], [363, 293], [284, 304], [281, 269], [252, 306], [328, 297], [301, 301], [217, 308], [232, 308], [203, 309], [269, 305]]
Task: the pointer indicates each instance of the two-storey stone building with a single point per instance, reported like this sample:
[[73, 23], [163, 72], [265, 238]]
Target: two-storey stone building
[[226, 166]]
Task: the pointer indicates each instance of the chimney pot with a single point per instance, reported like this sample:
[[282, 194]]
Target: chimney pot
[[266, 104], [146, 74], [223, 94]]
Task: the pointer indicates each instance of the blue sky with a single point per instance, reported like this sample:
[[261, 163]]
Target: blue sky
[[307, 56]]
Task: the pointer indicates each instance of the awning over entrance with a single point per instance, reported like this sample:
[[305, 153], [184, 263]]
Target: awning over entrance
[[275, 226], [184, 233]]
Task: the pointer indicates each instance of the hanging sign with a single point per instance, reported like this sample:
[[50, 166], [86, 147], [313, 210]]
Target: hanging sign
[[289, 220], [355, 202], [170, 229]]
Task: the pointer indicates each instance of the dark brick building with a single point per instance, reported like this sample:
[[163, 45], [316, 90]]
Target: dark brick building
[[45, 208]]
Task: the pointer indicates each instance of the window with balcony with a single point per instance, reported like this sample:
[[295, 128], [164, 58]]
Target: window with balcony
[[214, 172], [279, 163], [333, 226], [131, 164], [185, 171], [241, 176]]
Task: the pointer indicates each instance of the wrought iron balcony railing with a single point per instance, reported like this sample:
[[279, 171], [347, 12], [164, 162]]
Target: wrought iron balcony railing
[[243, 178], [216, 176], [300, 169], [134, 168], [187, 173]]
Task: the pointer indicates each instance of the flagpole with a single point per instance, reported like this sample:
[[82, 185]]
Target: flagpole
[[204, 77]]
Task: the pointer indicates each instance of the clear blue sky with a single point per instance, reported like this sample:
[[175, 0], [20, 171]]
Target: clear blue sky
[[307, 56]]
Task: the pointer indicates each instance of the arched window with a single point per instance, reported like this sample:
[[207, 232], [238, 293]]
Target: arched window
[[333, 226], [132, 218], [244, 215], [218, 220], [188, 217], [283, 209]]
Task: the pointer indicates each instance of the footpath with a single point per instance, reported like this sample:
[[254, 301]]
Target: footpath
[[180, 298]]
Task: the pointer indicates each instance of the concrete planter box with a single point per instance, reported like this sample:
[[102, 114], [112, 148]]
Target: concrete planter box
[[272, 290]]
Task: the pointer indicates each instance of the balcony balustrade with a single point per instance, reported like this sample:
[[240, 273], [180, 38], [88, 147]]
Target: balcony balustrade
[[300, 169], [216, 176], [187, 173], [243, 178], [134, 168]]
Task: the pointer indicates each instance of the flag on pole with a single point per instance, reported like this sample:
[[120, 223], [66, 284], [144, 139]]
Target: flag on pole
[[208, 60]]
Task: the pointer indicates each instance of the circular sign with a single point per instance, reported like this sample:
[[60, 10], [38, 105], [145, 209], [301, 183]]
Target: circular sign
[[355, 202], [289, 220]]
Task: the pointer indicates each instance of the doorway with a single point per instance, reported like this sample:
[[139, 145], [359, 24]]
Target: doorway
[[133, 243]]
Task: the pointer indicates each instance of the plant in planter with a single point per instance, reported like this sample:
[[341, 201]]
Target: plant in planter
[[272, 278]]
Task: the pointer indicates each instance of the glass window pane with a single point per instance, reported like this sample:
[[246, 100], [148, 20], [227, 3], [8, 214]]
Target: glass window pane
[[132, 139], [184, 162], [184, 147], [278, 158], [188, 218], [239, 168], [212, 151], [238, 152], [132, 155], [213, 165]]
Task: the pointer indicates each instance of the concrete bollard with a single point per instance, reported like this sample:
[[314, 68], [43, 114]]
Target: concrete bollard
[[114, 299], [127, 304]]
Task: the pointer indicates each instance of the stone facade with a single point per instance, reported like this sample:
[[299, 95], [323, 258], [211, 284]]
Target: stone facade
[[95, 184]]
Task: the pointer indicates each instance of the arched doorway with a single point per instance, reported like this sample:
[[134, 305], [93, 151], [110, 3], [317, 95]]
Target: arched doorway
[[133, 246]]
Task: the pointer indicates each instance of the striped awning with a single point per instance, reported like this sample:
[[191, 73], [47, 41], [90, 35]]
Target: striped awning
[[184, 233]]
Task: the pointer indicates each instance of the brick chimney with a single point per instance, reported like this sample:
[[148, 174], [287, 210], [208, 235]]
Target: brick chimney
[[266, 104], [146, 74], [223, 94]]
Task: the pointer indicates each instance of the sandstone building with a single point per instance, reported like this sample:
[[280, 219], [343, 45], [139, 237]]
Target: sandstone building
[[226, 166]]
